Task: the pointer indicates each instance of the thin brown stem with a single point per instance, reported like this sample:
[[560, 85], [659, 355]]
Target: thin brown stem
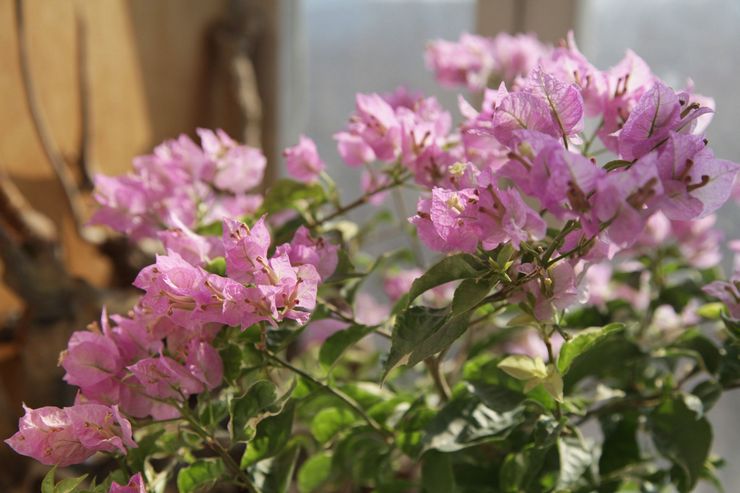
[[360, 201], [440, 383], [71, 191], [336, 392]]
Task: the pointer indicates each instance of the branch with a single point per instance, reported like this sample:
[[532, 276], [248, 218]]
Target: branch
[[336, 392], [50, 148], [361, 200]]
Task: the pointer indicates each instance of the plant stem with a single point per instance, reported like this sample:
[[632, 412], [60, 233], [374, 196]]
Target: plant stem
[[214, 445], [361, 200], [414, 243], [551, 360], [569, 226], [587, 144], [443, 388], [336, 392]]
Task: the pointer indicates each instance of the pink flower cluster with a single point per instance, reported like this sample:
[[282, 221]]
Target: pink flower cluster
[[71, 435], [162, 352], [729, 291], [528, 145], [303, 161], [473, 61], [181, 183], [400, 127]]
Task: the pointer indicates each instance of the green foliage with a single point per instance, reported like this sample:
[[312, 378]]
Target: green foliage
[[452, 268], [338, 342], [289, 194], [421, 332], [201, 475], [495, 408], [273, 434], [683, 437], [314, 472]]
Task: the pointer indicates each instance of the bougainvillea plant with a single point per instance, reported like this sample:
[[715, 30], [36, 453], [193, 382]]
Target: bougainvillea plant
[[555, 321]]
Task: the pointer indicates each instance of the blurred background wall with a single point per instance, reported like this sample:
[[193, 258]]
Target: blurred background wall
[[112, 78]]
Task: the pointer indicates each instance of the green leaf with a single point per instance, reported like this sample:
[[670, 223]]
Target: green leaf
[[524, 367], [217, 266], [709, 392], [272, 436], [711, 311], [499, 390], [362, 456], [200, 474], [581, 343], [284, 194], [146, 446], [681, 437], [314, 472], [553, 383], [616, 164], [693, 339], [68, 485], [247, 410], [231, 356], [620, 447], [274, 475], [469, 293], [732, 325], [420, 332], [436, 473], [338, 342], [452, 268], [330, 421], [606, 353], [729, 372], [519, 470], [465, 422], [575, 460], [47, 484]]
